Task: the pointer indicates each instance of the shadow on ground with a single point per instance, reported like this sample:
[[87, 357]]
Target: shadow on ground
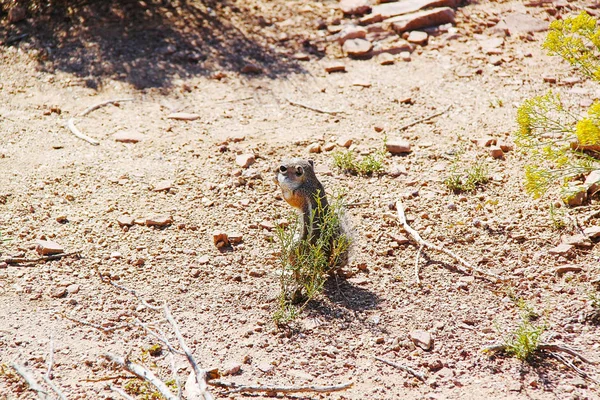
[[145, 43]]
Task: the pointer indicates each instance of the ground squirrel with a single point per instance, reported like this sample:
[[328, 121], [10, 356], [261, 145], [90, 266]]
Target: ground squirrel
[[303, 191]]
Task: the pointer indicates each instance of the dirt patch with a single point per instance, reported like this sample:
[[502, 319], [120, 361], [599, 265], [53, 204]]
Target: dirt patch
[[56, 187]]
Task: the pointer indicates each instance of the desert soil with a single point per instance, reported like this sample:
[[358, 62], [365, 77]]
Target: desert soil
[[188, 58]]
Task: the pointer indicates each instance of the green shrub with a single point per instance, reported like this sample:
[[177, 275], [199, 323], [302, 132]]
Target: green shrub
[[347, 162], [467, 179]]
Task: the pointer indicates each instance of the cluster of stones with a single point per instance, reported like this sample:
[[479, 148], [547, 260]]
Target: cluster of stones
[[387, 29]]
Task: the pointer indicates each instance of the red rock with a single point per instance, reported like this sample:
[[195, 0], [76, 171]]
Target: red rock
[[524, 23], [405, 56], [409, 6], [251, 69], [592, 232], [422, 339], [575, 195], [422, 19], [484, 142], [335, 66], [505, 146], [48, 247], [245, 160], [125, 220], [220, 239], [163, 186], [351, 32], [385, 59], [398, 146], [345, 141], [128, 137], [358, 48], [567, 268], [355, 7], [182, 116], [159, 220], [561, 250], [496, 152], [314, 148], [394, 47], [16, 14], [235, 237], [418, 37], [370, 19], [579, 240], [549, 78]]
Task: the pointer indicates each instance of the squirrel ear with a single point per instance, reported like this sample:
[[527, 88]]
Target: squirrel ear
[[312, 163]]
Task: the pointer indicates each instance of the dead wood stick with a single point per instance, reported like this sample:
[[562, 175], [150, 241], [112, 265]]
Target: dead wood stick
[[50, 355], [236, 388], [102, 104], [318, 110], [200, 373], [417, 278], [427, 118], [121, 392], [405, 368], [22, 260], [79, 134], [108, 378], [415, 235], [55, 388], [28, 377], [95, 326], [142, 373], [574, 367]]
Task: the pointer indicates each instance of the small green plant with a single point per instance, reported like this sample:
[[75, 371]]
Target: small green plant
[[557, 217], [595, 301], [523, 342], [370, 164], [306, 263], [467, 180], [142, 390], [553, 137]]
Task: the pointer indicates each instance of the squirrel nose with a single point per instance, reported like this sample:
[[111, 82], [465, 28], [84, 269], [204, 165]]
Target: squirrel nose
[[282, 168]]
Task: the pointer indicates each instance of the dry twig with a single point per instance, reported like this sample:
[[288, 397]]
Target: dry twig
[[200, 373], [142, 373], [422, 242], [411, 371], [102, 104], [318, 110], [236, 388], [50, 356], [424, 119], [28, 377], [79, 134], [569, 364], [22, 260]]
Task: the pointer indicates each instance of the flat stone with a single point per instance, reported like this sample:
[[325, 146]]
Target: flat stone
[[301, 57], [579, 240], [125, 220], [385, 59], [314, 148], [48, 247], [265, 367], [593, 232], [245, 160], [73, 289], [549, 78], [231, 368], [484, 142], [488, 45], [496, 60], [358, 48], [128, 137], [405, 56], [251, 69], [351, 32], [561, 250], [421, 339], [418, 37], [398, 146], [592, 182], [370, 19], [398, 238], [335, 66], [421, 19], [58, 292], [355, 7], [563, 269], [182, 116], [505, 146], [268, 225], [524, 23], [393, 9], [576, 195], [328, 146], [159, 220], [163, 186], [393, 47]]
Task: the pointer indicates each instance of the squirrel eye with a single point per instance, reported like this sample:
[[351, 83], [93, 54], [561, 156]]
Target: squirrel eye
[[282, 169], [299, 171]]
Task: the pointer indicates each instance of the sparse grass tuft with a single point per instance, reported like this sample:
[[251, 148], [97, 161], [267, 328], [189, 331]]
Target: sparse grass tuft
[[523, 342], [371, 164], [557, 217], [467, 180], [306, 263], [595, 301]]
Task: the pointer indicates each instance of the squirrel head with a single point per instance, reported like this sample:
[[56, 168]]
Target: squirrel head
[[292, 175]]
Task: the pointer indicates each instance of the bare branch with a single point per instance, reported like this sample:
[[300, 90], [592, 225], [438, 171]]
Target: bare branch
[[422, 242], [102, 104], [28, 377], [575, 368], [142, 373], [318, 110], [405, 368], [79, 134], [236, 388], [200, 373], [22, 260], [425, 119], [49, 382], [50, 355]]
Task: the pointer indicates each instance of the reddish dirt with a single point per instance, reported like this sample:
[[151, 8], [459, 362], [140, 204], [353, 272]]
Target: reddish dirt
[[224, 300]]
